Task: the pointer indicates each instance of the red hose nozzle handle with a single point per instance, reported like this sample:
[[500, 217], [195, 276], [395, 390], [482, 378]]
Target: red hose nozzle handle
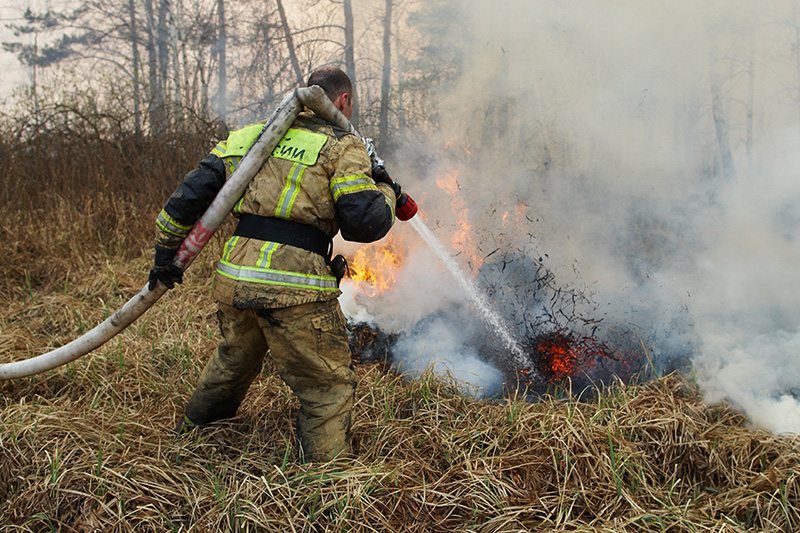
[[406, 207]]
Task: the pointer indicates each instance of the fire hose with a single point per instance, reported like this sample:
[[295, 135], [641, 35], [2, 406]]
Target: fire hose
[[269, 137]]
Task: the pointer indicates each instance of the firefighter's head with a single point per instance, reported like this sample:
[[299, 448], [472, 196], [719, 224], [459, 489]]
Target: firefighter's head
[[337, 86]]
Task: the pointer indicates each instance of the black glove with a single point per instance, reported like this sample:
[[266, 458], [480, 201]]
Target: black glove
[[379, 175], [163, 269]]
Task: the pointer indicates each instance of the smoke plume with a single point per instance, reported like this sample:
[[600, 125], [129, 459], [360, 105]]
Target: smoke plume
[[644, 153]]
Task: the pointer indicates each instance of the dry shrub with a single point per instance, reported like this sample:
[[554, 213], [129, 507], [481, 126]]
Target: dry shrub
[[69, 202]]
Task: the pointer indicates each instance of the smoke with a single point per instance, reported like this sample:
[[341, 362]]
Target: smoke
[[438, 333], [646, 153], [746, 308], [439, 345]]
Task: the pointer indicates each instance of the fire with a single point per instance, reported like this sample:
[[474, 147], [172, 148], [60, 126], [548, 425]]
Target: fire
[[462, 239], [559, 356], [452, 144], [374, 269], [449, 182]]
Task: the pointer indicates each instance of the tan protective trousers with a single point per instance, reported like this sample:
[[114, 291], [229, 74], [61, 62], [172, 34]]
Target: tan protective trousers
[[308, 344]]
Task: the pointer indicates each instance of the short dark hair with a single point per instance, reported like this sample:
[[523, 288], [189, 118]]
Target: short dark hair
[[332, 80]]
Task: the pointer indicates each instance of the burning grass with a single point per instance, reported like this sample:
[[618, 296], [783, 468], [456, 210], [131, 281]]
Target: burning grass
[[87, 447]]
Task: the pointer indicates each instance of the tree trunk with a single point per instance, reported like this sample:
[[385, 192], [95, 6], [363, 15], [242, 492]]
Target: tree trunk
[[722, 133], [383, 120], [400, 107], [290, 44], [156, 100], [137, 112], [201, 72], [721, 129], [221, 47], [162, 41], [349, 56], [34, 88], [751, 84], [175, 40]]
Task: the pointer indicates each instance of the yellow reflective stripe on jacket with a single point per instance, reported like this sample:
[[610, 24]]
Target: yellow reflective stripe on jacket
[[170, 225], [265, 257], [219, 149], [348, 184], [290, 191], [237, 209], [229, 246], [391, 208], [269, 276], [233, 162]]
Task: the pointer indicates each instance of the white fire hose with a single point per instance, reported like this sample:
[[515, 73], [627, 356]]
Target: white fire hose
[[272, 133]]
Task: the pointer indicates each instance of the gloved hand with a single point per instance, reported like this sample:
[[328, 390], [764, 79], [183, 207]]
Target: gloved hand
[[379, 175], [164, 270]]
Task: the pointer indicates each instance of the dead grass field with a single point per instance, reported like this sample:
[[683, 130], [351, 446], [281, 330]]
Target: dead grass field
[[87, 447]]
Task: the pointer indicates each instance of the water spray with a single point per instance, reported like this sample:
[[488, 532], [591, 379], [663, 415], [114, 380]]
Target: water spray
[[475, 295]]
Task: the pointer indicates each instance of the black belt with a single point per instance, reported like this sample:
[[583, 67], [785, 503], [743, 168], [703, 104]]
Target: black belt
[[285, 232]]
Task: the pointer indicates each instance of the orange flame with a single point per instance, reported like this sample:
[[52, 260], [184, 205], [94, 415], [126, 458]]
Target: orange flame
[[449, 182], [461, 239], [374, 269]]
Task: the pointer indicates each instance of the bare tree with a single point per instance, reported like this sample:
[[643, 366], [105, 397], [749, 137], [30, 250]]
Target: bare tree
[[718, 114], [156, 101], [162, 44], [290, 43], [386, 78], [349, 55], [722, 132], [222, 41], [750, 103], [175, 53], [137, 113]]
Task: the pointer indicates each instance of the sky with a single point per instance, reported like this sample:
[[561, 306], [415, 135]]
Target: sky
[[13, 74]]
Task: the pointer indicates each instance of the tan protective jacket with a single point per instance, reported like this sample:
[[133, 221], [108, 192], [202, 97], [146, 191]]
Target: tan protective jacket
[[319, 176]]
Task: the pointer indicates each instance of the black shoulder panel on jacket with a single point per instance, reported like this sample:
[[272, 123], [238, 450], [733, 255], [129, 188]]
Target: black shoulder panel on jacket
[[364, 216], [339, 132], [198, 189]]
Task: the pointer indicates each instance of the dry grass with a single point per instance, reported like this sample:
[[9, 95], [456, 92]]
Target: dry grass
[[87, 447]]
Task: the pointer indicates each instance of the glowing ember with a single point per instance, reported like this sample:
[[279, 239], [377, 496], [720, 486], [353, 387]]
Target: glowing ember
[[559, 356]]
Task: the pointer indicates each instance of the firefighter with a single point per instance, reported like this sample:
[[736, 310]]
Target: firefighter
[[274, 284]]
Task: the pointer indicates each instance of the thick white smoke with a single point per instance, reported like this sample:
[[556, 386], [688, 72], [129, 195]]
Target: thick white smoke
[[608, 125], [421, 305]]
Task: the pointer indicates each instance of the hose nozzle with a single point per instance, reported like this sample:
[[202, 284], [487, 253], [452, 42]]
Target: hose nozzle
[[406, 207]]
